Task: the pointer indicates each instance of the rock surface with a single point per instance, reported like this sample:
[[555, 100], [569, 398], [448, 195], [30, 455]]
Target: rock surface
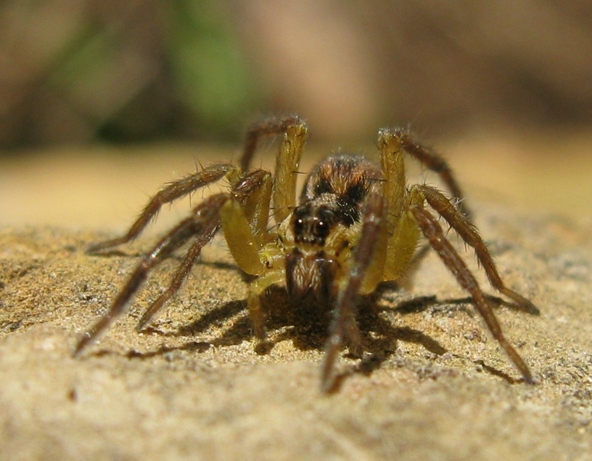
[[192, 387]]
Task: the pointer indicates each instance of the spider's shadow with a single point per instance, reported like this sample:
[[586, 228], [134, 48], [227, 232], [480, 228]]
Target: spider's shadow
[[306, 324]]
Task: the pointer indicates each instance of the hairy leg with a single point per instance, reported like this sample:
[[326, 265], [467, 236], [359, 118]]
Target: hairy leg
[[243, 191], [344, 329], [260, 129], [435, 162], [181, 274], [244, 236], [252, 185], [167, 194], [202, 225], [471, 237], [256, 290], [438, 241], [286, 169], [404, 234]]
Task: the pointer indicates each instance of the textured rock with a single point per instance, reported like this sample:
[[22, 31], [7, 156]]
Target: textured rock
[[193, 388]]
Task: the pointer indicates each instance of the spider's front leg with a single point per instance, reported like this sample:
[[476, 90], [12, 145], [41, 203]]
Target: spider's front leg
[[254, 249], [432, 230], [246, 238], [267, 127], [364, 275]]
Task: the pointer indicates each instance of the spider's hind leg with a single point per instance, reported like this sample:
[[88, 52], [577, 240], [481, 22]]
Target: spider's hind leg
[[180, 275], [204, 222], [471, 237], [251, 195], [432, 230], [432, 160]]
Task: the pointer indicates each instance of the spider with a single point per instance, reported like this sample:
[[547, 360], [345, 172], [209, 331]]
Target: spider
[[357, 224]]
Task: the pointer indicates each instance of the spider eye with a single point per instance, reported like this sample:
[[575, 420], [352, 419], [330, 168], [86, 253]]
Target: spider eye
[[312, 224], [321, 228], [298, 225], [323, 223]]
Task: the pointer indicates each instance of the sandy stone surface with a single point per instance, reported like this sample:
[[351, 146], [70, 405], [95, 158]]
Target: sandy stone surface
[[193, 388], [436, 386]]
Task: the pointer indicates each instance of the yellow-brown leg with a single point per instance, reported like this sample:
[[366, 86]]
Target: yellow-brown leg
[[294, 131], [402, 228], [167, 194], [267, 127], [286, 169], [256, 289], [246, 188], [471, 237], [432, 230], [344, 329], [243, 245], [256, 208], [434, 162]]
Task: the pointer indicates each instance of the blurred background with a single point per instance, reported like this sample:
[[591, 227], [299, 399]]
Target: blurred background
[[78, 74]]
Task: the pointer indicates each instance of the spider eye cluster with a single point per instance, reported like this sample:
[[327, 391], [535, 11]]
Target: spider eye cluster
[[312, 224]]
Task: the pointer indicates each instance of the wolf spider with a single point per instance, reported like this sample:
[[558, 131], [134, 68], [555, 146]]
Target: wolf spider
[[357, 224]]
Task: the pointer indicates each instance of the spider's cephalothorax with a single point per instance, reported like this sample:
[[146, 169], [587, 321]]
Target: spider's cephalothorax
[[325, 225], [357, 224]]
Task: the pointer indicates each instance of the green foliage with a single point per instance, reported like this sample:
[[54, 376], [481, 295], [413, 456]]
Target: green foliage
[[122, 72], [209, 71]]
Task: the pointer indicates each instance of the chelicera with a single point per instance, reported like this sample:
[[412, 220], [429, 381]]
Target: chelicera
[[357, 224]]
